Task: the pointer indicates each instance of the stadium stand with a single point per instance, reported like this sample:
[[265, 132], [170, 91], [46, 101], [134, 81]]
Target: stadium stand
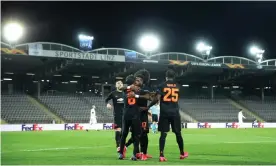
[[204, 109], [69, 107], [17, 108], [74, 108], [103, 115], [265, 109]]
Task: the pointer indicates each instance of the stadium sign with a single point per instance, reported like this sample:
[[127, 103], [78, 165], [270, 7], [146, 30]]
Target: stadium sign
[[13, 51], [108, 126], [82, 55], [184, 63], [86, 56], [257, 125], [75, 126], [34, 127], [203, 125], [232, 125], [205, 64]]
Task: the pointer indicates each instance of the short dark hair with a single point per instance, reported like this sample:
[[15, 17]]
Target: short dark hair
[[145, 73], [139, 76], [170, 74], [130, 79]]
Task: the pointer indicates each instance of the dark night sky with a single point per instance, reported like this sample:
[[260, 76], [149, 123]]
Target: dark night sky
[[228, 26]]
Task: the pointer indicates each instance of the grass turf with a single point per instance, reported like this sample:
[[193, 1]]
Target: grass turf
[[205, 146]]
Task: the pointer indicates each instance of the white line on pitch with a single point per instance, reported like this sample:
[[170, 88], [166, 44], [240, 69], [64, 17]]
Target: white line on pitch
[[249, 142], [108, 146]]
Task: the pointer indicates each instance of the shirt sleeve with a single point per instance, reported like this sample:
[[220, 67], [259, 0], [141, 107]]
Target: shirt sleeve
[[109, 97]]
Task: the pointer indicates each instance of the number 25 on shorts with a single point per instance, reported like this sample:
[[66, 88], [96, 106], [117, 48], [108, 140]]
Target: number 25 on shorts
[[171, 94]]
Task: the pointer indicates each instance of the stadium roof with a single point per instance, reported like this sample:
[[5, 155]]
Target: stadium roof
[[110, 62], [158, 56]]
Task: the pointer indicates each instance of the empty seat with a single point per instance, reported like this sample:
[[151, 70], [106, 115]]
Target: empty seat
[[18, 109]]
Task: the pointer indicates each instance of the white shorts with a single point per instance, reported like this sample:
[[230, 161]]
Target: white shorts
[[240, 120], [93, 120]]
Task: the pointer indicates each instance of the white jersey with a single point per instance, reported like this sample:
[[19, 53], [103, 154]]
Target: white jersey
[[93, 117], [240, 117]]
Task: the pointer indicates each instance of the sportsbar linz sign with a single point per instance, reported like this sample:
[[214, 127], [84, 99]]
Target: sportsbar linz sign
[[83, 56]]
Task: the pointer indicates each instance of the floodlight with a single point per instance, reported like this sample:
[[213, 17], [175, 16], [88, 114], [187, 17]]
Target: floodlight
[[203, 48], [13, 32], [149, 43], [200, 47], [254, 50], [257, 53]]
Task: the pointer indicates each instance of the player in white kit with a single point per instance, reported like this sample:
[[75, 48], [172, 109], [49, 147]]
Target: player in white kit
[[93, 117], [240, 118]]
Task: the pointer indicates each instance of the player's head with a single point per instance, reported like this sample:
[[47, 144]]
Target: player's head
[[145, 74], [119, 84], [138, 80], [130, 79], [170, 74]]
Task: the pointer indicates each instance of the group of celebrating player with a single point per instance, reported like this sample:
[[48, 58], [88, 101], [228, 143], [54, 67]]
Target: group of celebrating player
[[131, 111]]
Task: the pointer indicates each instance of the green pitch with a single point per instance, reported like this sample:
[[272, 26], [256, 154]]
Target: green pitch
[[205, 146]]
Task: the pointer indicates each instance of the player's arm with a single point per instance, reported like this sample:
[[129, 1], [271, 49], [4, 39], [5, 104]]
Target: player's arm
[[109, 97], [155, 100], [123, 88], [157, 96], [148, 96], [131, 94], [149, 112], [152, 96], [130, 87]]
